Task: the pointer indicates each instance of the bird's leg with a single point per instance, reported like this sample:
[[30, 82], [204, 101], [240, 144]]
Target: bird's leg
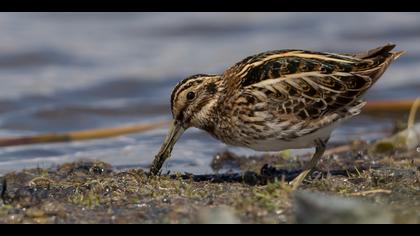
[[319, 151]]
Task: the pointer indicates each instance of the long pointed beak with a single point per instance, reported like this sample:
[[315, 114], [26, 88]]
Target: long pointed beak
[[175, 131]]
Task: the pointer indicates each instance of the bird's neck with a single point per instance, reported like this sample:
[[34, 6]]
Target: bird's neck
[[208, 116]]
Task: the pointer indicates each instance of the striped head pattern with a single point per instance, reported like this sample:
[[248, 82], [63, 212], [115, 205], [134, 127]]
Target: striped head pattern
[[193, 99]]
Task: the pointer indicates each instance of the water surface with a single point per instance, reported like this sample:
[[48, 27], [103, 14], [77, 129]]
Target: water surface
[[69, 71]]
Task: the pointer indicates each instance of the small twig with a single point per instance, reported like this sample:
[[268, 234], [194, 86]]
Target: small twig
[[80, 135], [388, 105], [358, 172], [339, 149], [413, 112], [363, 193], [343, 148]]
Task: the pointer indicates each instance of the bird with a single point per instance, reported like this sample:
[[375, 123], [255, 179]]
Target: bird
[[276, 100]]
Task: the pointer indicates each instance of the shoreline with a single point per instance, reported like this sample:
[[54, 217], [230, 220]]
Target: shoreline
[[383, 185]]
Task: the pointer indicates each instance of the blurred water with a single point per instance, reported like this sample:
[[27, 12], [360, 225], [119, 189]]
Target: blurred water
[[70, 71]]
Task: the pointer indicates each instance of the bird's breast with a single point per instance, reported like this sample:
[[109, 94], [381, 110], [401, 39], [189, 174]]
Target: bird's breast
[[276, 141]]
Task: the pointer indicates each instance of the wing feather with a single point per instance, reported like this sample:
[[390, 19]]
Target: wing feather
[[302, 90], [308, 84]]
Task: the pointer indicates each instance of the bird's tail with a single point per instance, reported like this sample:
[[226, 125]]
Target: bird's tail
[[384, 50], [382, 57]]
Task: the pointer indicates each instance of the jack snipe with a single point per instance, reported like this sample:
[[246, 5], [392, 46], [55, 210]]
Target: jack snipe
[[276, 100]]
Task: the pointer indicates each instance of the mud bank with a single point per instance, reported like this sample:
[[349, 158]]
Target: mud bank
[[349, 187]]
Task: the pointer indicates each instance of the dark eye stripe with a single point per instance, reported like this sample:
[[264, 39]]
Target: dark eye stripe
[[187, 83], [177, 90], [182, 86]]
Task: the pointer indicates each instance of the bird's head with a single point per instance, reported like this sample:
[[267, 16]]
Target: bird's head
[[192, 103]]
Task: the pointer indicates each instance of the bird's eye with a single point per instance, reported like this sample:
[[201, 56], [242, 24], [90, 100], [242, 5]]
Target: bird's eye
[[190, 95]]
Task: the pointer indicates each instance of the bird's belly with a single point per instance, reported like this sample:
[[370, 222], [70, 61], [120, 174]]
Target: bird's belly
[[279, 144]]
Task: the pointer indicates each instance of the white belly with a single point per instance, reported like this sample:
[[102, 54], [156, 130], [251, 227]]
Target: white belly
[[305, 141]]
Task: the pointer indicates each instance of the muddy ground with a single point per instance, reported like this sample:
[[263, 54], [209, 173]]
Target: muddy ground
[[350, 187]]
